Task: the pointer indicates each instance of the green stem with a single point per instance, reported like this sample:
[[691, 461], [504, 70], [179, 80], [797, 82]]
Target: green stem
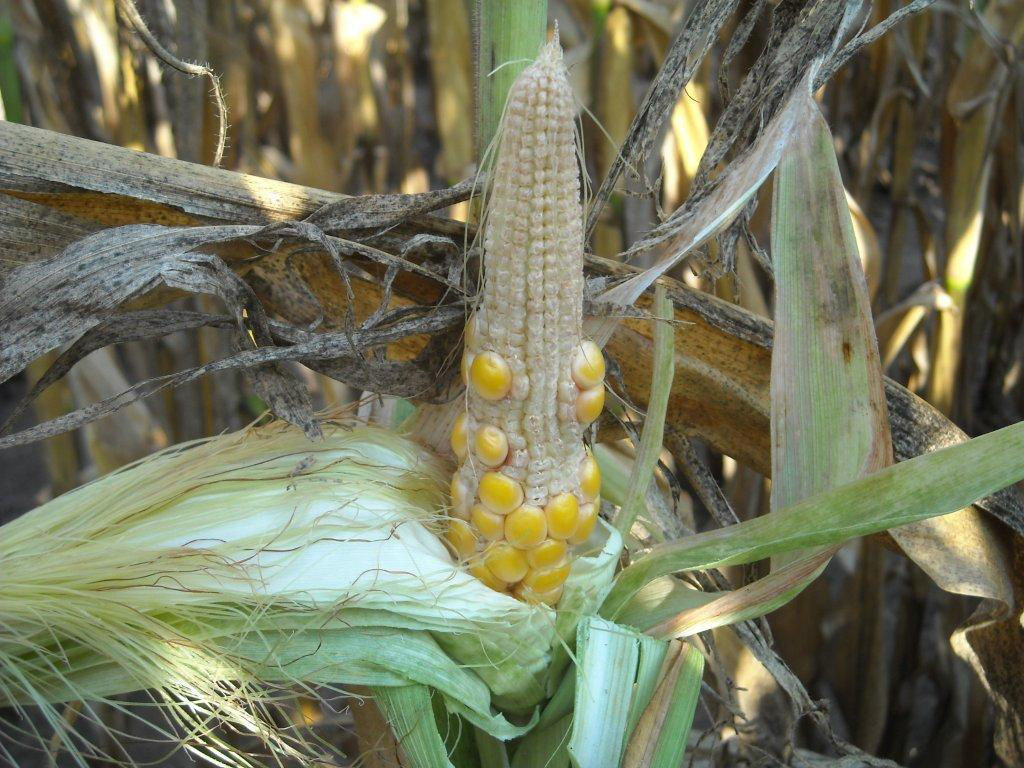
[[507, 33]]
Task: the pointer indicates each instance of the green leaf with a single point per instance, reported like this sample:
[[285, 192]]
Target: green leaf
[[925, 486], [654, 423], [828, 415]]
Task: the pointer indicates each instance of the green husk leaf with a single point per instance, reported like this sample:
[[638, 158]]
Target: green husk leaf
[[615, 674], [560, 703], [492, 751], [605, 674], [661, 737], [648, 673], [216, 572], [589, 582], [409, 711], [545, 747], [615, 472]]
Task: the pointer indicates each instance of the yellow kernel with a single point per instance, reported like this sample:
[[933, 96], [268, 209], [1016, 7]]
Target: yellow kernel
[[491, 376], [490, 525], [459, 494], [500, 493], [563, 513], [527, 595], [546, 554], [460, 436], [589, 404], [526, 527], [547, 579], [588, 521], [482, 572], [590, 478], [491, 445], [588, 365], [506, 562], [467, 362], [460, 538]]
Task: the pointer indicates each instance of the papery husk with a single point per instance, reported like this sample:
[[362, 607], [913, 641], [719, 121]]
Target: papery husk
[[217, 571]]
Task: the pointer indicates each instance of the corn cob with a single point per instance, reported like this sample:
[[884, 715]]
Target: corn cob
[[526, 489]]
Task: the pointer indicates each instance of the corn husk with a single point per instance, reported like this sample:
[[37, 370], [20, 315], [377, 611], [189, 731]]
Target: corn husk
[[215, 572]]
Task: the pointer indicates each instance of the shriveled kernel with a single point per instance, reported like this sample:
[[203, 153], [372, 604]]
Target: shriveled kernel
[[500, 493], [467, 363], [547, 579], [490, 525], [482, 572], [506, 562], [460, 436], [563, 512], [548, 553], [588, 521], [460, 496], [526, 527], [460, 538], [471, 332], [527, 595], [588, 367], [589, 404], [490, 375], [590, 478], [491, 446]]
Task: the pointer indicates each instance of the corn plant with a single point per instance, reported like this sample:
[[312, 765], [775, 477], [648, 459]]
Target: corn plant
[[503, 591]]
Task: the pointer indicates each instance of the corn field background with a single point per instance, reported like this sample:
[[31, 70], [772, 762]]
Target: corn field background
[[916, 661]]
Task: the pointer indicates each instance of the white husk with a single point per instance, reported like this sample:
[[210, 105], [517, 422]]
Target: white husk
[[179, 572]]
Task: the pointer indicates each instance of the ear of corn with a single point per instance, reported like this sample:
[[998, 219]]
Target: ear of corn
[[215, 572], [210, 570], [526, 485]]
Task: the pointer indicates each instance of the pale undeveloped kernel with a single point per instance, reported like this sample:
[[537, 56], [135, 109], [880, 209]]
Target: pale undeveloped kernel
[[527, 595], [459, 496]]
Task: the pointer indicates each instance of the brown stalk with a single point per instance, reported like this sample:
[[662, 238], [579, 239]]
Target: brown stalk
[[720, 392]]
